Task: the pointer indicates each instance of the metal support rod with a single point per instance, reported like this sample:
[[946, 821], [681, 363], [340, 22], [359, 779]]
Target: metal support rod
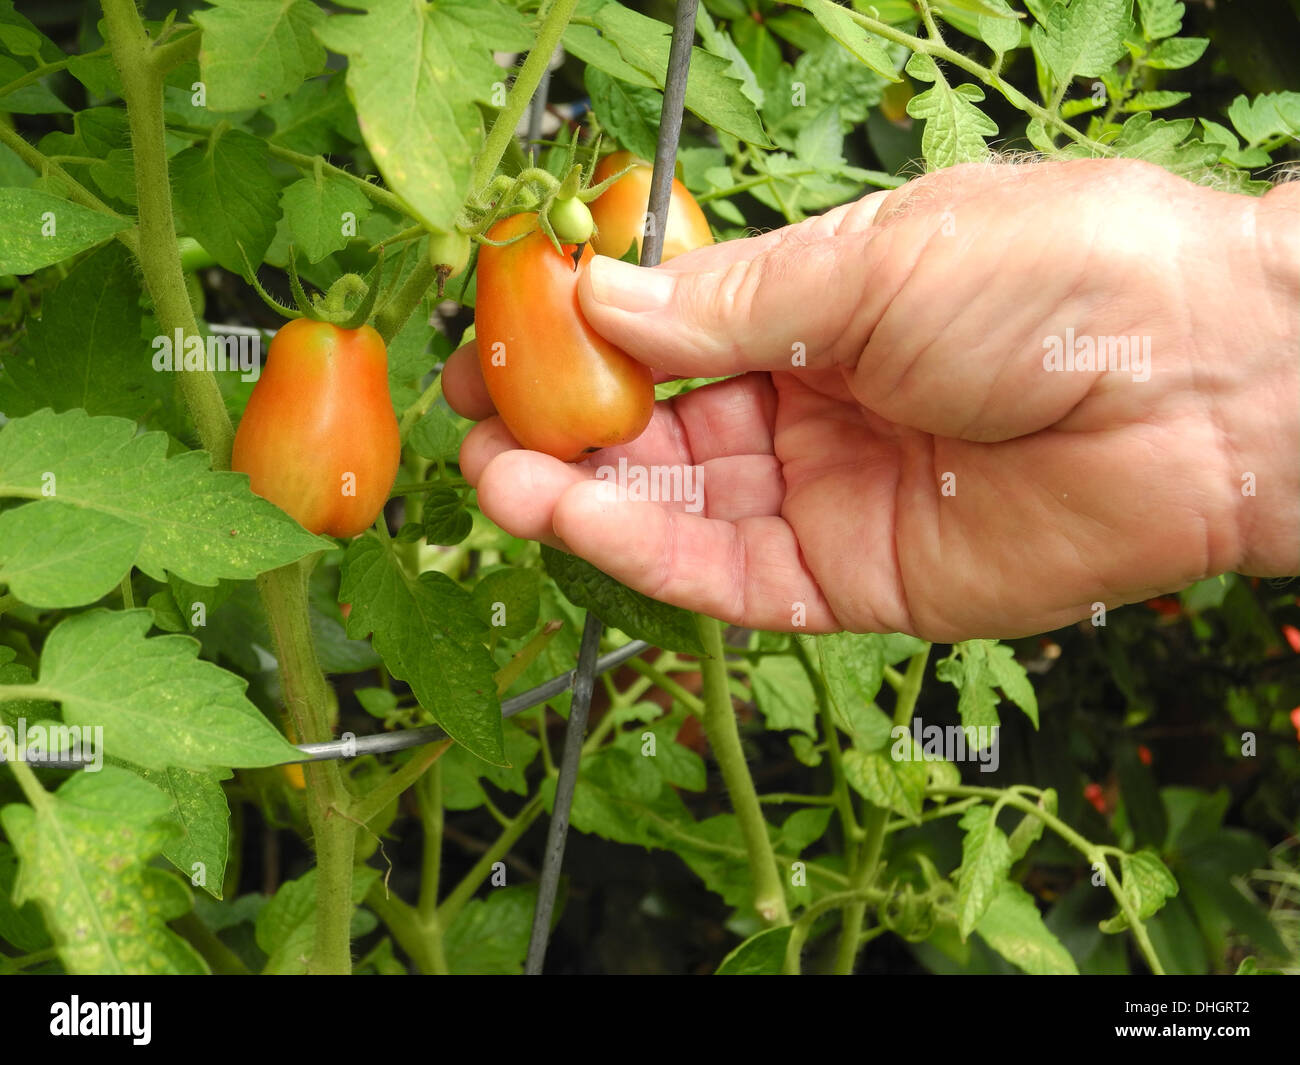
[[652, 243], [388, 742], [557, 832]]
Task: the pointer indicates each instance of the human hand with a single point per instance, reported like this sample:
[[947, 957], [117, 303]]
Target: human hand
[[920, 470]]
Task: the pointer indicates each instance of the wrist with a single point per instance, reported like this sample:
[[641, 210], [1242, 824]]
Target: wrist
[[1265, 419]]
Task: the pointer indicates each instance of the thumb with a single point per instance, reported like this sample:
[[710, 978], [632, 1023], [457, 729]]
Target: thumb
[[788, 299]]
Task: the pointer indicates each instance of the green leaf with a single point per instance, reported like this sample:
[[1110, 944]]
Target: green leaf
[[415, 75], [618, 606], [315, 118], [630, 113], [445, 518], [100, 488], [1269, 115], [977, 668], [1147, 883], [159, 704], [1030, 829], [427, 634], [1177, 52], [955, 128], [1014, 928], [785, 694], [85, 349], [489, 937], [202, 816], [320, 213], [1083, 38], [436, 436], [286, 926], [985, 862], [254, 52], [1153, 101], [84, 854], [896, 785], [853, 668], [835, 20], [42, 229], [1001, 32], [507, 601], [1160, 18], [226, 197], [1165, 143], [712, 92], [762, 954]]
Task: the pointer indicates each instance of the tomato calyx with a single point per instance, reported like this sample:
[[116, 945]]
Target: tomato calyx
[[366, 294]]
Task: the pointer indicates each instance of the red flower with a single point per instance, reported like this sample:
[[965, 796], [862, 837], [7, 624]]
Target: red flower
[[1295, 721], [1144, 753], [1292, 635], [1096, 796]]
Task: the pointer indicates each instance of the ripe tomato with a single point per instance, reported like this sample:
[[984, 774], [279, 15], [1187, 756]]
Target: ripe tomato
[[319, 437], [559, 386], [620, 210]]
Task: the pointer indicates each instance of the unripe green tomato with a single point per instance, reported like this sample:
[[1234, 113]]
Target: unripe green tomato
[[449, 251], [571, 220]]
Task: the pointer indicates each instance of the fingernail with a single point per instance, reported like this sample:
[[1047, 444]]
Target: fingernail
[[627, 287]]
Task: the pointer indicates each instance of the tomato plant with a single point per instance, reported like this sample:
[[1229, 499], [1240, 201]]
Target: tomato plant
[[319, 437], [559, 386], [620, 211], [214, 555]]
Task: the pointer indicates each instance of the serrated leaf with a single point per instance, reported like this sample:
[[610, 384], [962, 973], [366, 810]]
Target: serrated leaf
[[415, 75], [1160, 18], [896, 785], [445, 519], [1014, 928], [1084, 38], [226, 197], [616, 605], [427, 634], [712, 92], [83, 859], [836, 21], [985, 862], [1147, 882], [1177, 52], [254, 52], [630, 113], [158, 703], [955, 128], [186, 518], [318, 213], [42, 229], [202, 817], [1001, 32], [1267, 116]]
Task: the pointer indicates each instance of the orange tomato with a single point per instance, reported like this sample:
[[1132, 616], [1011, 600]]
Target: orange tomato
[[620, 211], [319, 438], [558, 385]]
